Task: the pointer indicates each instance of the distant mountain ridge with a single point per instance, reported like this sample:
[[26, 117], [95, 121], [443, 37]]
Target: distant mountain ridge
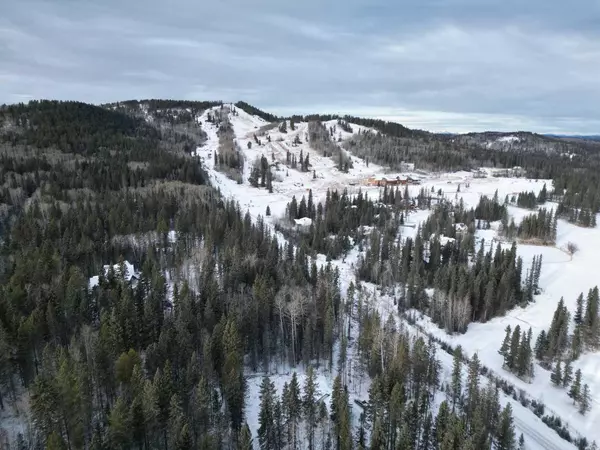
[[586, 137]]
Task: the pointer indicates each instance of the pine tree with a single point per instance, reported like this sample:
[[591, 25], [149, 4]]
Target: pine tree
[[584, 400], [292, 405], [575, 391], [279, 425], [577, 342], [377, 436], [590, 321], [456, 384], [541, 346], [179, 437], [232, 373], [118, 429], [556, 376], [266, 415], [505, 343], [511, 358], [310, 407], [567, 374], [244, 441], [521, 442], [472, 391], [505, 433], [578, 317], [523, 363]]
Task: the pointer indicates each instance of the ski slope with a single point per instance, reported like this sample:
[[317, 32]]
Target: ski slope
[[562, 275]]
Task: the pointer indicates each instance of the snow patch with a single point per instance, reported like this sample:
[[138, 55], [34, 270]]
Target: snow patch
[[303, 222], [128, 275]]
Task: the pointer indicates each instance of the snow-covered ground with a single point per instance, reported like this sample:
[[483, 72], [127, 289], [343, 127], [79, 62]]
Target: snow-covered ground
[[562, 275]]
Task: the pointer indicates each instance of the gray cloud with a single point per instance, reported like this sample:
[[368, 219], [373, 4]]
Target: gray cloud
[[452, 65]]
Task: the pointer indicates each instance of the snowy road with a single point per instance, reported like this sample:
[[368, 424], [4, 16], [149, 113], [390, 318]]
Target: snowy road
[[534, 436]]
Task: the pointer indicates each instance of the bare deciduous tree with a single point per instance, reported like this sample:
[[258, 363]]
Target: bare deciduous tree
[[572, 248]]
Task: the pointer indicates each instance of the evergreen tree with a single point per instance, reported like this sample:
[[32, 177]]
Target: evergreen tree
[[523, 364], [541, 346], [591, 321], [577, 342], [232, 373], [244, 441], [584, 400], [556, 376], [504, 349], [472, 389], [521, 442], [310, 406], [575, 391], [578, 317], [505, 433], [511, 358], [292, 406], [119, 430], [266, 416], [456, 384], [567, 375]]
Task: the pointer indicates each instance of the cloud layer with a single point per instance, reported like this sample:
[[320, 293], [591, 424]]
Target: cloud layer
[[445, 65]]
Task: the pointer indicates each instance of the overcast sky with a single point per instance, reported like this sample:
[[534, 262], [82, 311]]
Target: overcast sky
[[442, 65]]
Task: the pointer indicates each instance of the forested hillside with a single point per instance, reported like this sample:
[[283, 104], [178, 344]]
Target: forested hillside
[[137, 302]]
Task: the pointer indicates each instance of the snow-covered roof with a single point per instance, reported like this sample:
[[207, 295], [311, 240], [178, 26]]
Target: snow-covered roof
[[460, 227], [129, 273], [303, 222], [443, 239]]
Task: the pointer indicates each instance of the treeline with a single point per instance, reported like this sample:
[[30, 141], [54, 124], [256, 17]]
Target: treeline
[[115, 152], [490, 210], [578, 193], [538, 227], [393, 151], [528, 199], [556, 350], [170, 112], [74, 127], [489, 288], [467, 289], [556, 343], [320, 139], [553, 346], [399, 412], [256, 112], [584, 217]]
